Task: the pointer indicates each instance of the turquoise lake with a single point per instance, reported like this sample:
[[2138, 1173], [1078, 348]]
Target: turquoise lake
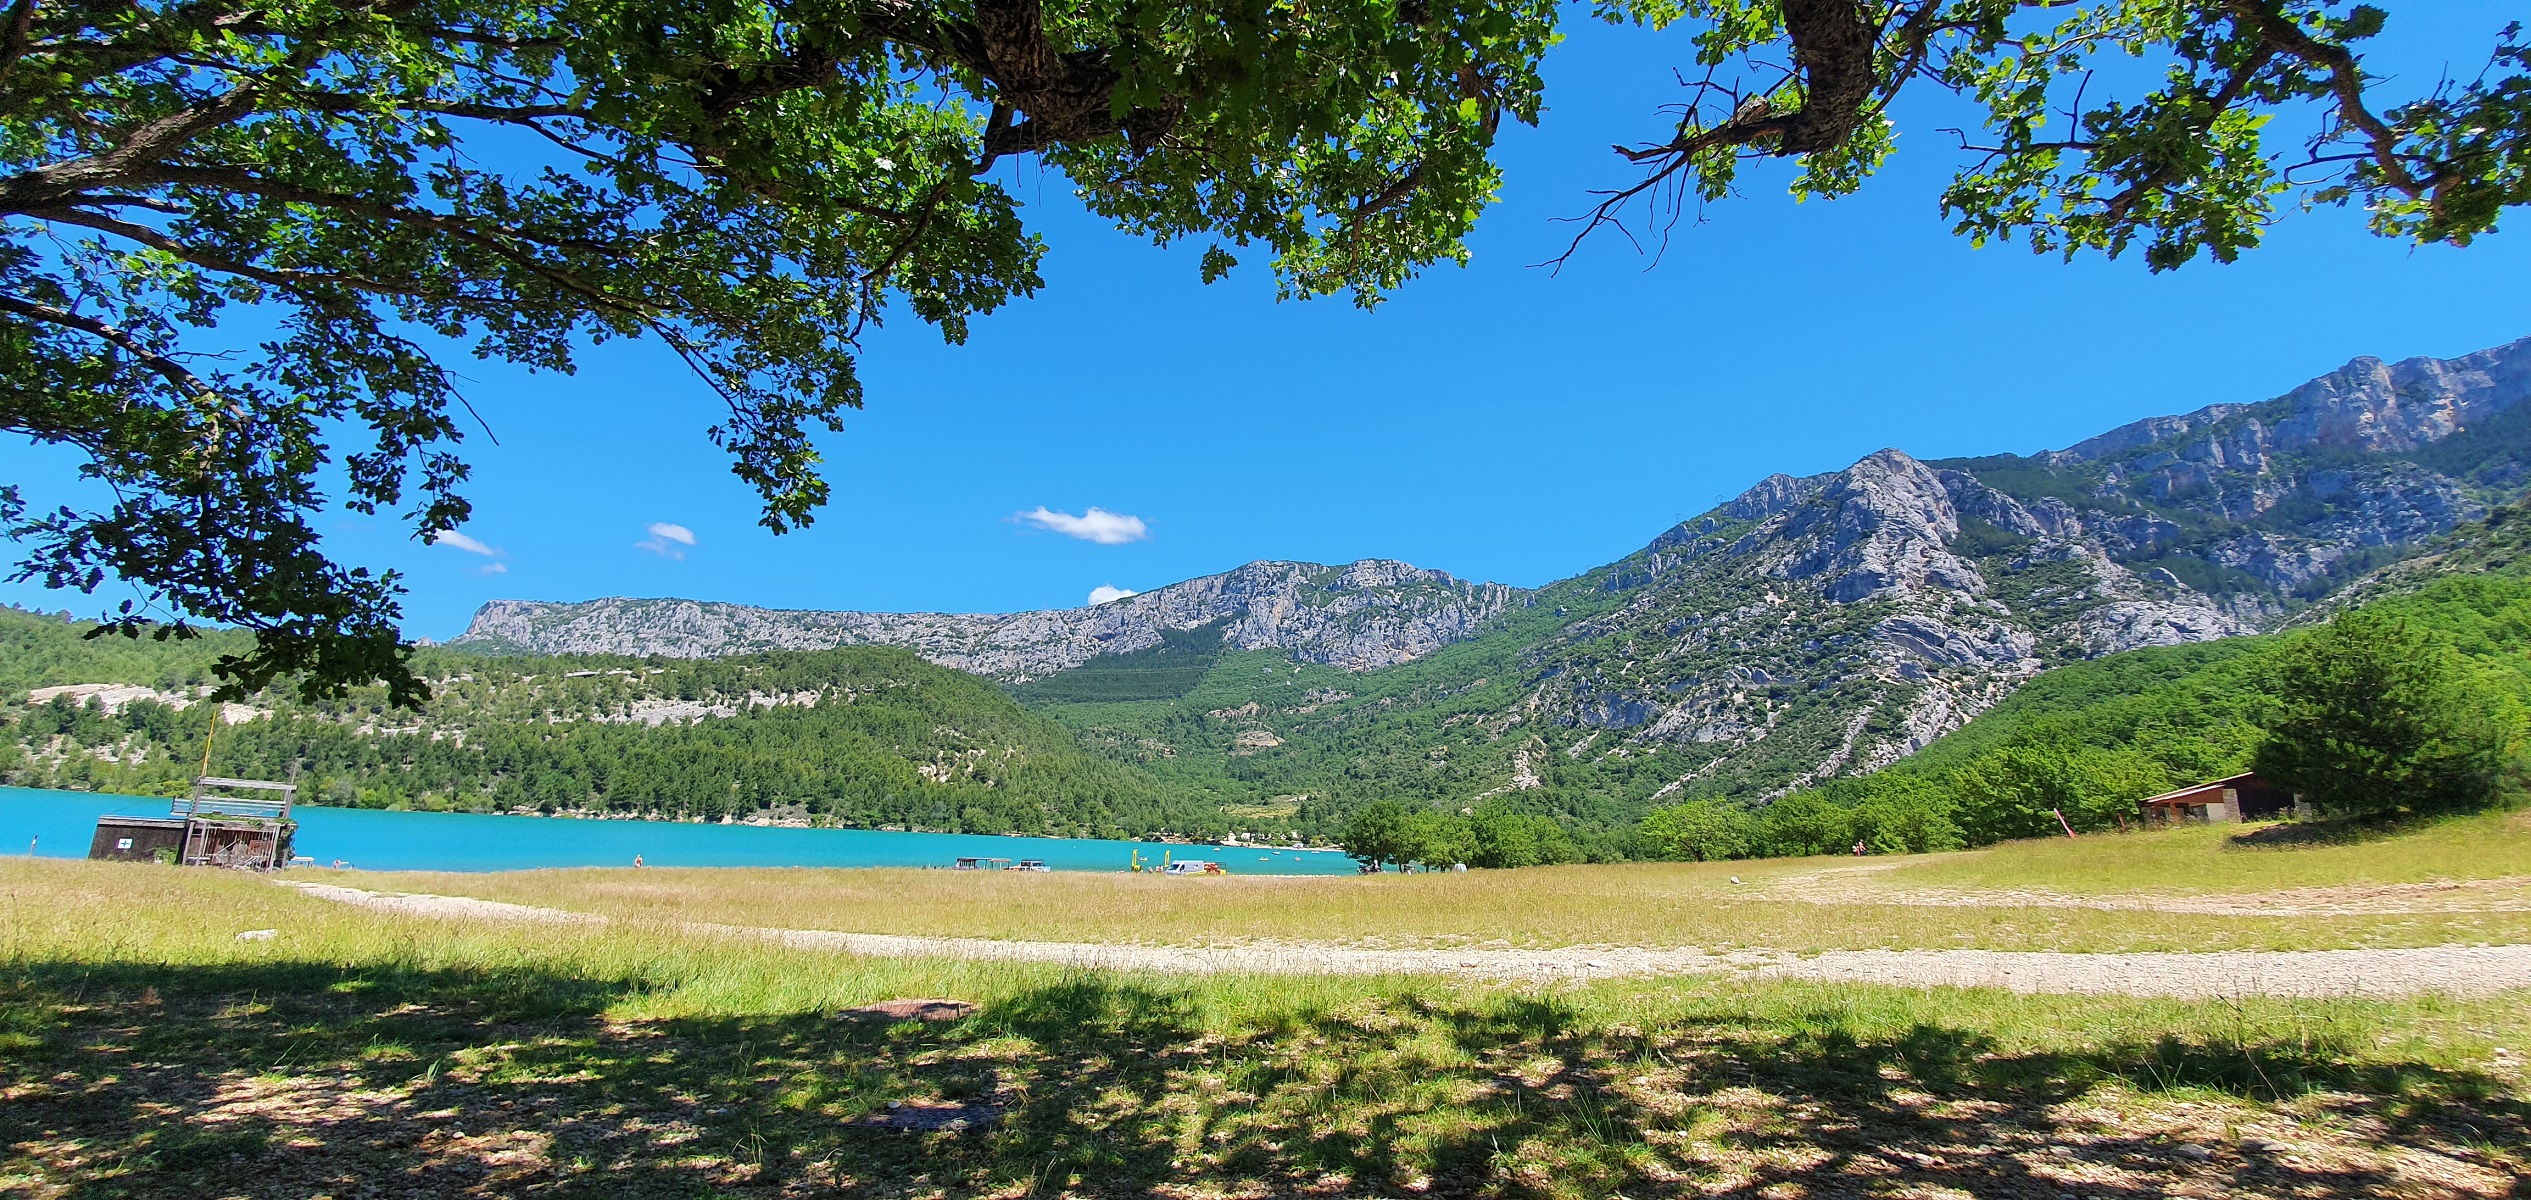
[[60, 824]]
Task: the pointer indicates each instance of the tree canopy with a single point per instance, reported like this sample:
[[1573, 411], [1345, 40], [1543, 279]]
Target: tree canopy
[[2372, 714], [754, 183], [751, 183], [2094, 125]]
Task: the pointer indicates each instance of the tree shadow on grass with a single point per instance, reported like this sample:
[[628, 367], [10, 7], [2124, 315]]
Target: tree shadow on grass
[[300, 1080], [2356, 830]]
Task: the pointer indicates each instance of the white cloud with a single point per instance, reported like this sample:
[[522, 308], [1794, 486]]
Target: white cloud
[[450, 537], [667, 540], [1108, 591], [493, 569], [1097, 525]]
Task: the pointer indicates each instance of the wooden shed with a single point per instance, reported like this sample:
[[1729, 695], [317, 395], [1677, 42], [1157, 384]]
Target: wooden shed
[[2242, 797], [138, 839], [215, 826]]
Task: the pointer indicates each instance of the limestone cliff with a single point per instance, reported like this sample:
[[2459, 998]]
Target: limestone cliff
[[1808, 627], [1361, 616]]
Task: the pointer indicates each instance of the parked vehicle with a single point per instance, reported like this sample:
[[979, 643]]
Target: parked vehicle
[[1191, 866]]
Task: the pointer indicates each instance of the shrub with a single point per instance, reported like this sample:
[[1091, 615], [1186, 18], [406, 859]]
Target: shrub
[[2019, 790], [1699, 831], [1501, 835], [1905, 814]]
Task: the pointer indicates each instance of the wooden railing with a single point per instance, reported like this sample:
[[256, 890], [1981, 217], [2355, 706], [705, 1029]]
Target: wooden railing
[[205, 803]]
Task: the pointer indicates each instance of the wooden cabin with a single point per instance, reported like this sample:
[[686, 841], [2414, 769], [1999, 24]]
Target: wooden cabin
[[2242, 797], [241, 823], [138, 839]]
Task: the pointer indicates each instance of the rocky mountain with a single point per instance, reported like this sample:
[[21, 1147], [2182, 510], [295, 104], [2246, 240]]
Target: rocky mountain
[[1833, 624], [2292, 498], [1837, 623], [1358, 617], [1810, 627]]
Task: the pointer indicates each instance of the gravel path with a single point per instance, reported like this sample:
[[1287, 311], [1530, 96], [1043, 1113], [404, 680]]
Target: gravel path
[[1860, 885], [2455, 970]]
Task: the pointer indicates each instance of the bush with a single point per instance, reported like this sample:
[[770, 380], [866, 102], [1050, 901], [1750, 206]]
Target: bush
[[1905, 814], [1804, 823], [2019, 790], [2372, 715], [1501, 835], [1698, 831], [1496, 834]]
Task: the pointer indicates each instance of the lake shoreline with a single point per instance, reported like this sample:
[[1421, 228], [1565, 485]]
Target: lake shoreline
[[751, 822], [61, 823]]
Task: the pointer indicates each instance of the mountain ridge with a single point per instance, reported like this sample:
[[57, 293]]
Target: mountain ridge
[[1809, 627], [2367, 404], [1366, 614]]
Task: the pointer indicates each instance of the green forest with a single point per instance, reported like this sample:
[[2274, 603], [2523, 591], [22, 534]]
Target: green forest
[[863, 737], [1175, 740], [2088, 739]]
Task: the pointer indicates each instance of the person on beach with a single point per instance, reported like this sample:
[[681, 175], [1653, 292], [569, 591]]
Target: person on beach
[[637, 862]]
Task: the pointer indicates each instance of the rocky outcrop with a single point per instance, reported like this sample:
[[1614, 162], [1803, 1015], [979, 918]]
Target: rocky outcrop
[[1808, 627], [1881, 527], [2367, 406], [1837, 622], [2301, 494], [1362, 616], [1840, 621]]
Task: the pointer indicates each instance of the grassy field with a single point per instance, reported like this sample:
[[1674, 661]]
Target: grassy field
[[2214, 859], [146, 1050], [1800, 905]]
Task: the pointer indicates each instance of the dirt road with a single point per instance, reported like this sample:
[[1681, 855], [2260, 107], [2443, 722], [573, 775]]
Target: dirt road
[[2456, 970], [1868, 885]]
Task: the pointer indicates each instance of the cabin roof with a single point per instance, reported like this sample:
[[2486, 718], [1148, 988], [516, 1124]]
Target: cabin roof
[[2248, 778], [126, 822]]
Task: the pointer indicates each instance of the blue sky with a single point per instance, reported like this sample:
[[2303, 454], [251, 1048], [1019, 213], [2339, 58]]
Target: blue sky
[[1499, 422]]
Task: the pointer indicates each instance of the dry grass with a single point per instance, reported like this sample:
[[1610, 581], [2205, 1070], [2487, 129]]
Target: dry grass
[[1801, 905], [145, 1051], [2217, 859]]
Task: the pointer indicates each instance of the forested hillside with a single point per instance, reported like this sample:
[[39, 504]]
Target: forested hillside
[[1277, 745], [866, 737], [38, 650], [1823, 628], [1810, 650], [2088, 739], [1186, 737]]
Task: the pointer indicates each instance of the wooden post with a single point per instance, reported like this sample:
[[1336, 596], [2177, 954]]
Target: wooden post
[[212, 732]]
